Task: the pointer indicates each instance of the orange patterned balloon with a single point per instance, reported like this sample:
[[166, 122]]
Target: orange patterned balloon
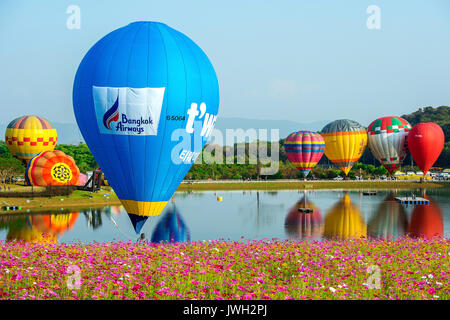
[[52, 168]]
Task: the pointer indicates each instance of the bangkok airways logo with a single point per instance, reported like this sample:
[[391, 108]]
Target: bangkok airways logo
[[128, 111], [111, 115]]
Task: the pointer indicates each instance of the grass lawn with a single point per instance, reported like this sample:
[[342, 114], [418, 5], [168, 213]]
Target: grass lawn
[[77, 199]]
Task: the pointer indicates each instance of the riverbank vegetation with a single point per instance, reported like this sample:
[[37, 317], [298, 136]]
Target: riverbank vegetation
[[236, 158]]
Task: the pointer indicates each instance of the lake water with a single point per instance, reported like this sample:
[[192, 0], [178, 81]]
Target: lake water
[[254, 215]]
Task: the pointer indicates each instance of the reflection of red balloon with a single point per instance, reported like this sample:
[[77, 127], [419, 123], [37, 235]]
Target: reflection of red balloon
[[426, 221], [425, 142]]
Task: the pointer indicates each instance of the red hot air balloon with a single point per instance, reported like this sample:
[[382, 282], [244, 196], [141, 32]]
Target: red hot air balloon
[[425, 142]]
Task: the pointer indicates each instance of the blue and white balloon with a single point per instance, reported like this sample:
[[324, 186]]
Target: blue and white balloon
[[145, 99]]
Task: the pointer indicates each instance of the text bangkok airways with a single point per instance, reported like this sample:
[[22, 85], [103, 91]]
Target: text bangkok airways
[[122, 125], [128, 111]]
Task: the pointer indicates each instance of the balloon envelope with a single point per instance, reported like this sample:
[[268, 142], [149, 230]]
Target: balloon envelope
[[387, 141], [82, 179], [27, 136], [425, 142], [145, 99], [345, 141], [304, 150], [52, 168]]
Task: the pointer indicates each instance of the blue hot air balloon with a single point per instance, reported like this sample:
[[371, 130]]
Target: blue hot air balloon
[[145, 99]]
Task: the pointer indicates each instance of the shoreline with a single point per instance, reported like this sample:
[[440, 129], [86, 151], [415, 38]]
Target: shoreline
[[83, 199], [308, 185]]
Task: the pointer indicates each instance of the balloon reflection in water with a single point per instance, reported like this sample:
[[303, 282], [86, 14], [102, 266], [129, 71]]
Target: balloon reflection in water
[[42, 228], [303, 225], [426, 221], [30, 234], [390, 221], [171, 228], [344, 221]]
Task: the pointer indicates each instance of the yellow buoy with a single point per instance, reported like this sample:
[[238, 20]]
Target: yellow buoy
[[219, 198]]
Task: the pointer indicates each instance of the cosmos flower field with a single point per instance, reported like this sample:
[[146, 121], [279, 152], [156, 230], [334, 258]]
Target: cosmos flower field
[[407, 269]]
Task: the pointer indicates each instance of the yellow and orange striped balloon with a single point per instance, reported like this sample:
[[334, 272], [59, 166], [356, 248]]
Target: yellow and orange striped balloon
[[27, 136], [345, 142]]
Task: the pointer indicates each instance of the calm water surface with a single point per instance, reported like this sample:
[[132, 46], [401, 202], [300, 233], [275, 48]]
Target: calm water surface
[[249, 214]]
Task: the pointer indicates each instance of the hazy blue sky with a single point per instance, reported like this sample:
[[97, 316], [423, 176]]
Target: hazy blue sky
[[296, 60]]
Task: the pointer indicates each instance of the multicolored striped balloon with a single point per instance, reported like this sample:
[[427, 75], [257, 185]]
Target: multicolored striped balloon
[[27, 136], [304, 150], [387, 141]]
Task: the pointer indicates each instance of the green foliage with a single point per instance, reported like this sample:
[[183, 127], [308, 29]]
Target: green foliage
[[81, 154], [7, 161]]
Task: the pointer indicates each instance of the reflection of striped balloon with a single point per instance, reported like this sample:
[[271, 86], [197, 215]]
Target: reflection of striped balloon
[[344, 221], [29, 135], [345, 141], [303, 225], [52, 168], [304, 150], [387, 141]]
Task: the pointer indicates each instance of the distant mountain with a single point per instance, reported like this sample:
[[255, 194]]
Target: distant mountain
[[68, 133], [285, 127]]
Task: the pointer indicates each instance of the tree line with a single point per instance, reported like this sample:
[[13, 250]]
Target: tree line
[[367, 166]]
